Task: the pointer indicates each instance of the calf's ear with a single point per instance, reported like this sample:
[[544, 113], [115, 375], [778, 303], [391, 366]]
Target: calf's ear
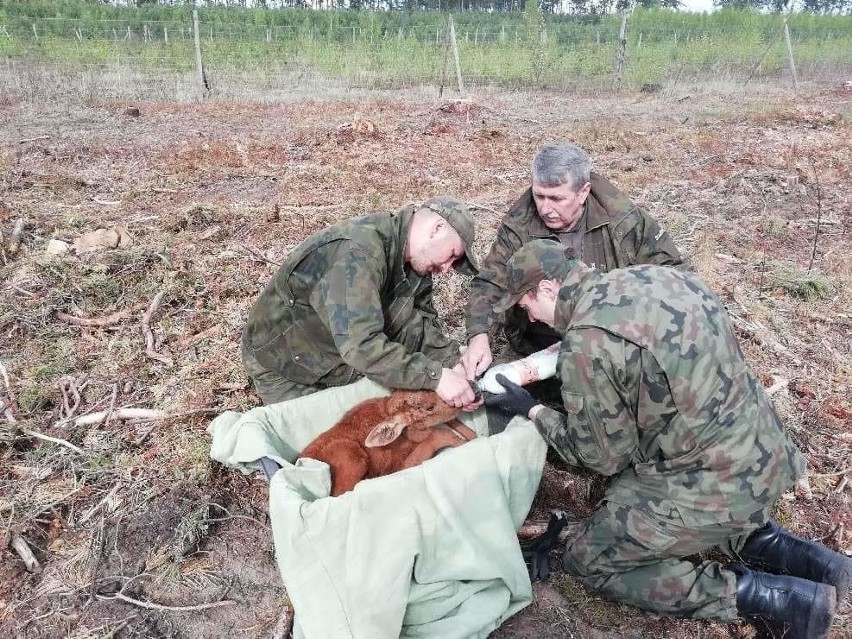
[[385, 432]]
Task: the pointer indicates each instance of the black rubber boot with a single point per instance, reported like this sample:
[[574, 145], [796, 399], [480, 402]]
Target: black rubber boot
[[775, 550], [789, 607]]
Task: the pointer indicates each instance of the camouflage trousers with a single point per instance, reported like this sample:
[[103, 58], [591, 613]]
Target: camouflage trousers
[[636, 556]]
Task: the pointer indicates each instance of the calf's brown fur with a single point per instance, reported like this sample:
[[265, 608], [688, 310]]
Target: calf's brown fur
[[386, 434]]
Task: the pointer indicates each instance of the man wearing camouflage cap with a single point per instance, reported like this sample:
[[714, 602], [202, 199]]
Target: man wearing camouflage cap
[[657, 395], [355, 300], [581, 209]]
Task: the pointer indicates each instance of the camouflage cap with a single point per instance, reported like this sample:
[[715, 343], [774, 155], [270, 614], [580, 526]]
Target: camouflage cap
[[533, 262], [457, 214]]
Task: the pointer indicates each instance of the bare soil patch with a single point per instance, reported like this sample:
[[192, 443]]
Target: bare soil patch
[[215, 195]]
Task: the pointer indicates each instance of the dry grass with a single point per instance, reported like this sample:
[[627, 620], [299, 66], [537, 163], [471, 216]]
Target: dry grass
[[215, 194]]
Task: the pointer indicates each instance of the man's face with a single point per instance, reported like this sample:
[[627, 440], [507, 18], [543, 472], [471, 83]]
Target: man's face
[[539, 306], [439, 252], [559, 207]]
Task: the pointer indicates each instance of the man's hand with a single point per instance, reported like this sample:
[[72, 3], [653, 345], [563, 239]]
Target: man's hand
[[454, 389], [515, 400], [477, 357]]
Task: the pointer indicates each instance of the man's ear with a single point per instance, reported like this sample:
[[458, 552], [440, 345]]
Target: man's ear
[[437, 227], [386, 432], [549, 289], [583, 193]]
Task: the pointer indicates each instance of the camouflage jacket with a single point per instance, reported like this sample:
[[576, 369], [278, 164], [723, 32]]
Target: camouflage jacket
[[656, 390], [344, 305], [616, 233]]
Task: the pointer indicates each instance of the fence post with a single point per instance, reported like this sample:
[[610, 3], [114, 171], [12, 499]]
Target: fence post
[[790, 55], [202, 78], [456, 54], [621, 56]]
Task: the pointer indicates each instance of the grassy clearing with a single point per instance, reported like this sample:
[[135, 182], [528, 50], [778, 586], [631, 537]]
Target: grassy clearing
[[211, 192]]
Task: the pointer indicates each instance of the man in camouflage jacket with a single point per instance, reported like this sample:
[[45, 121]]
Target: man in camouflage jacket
[[657, 394], [356, 300], [569, 203]]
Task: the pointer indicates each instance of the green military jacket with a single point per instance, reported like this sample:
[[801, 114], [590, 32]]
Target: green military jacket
[[344, 305], [656, 391], [615, 233]]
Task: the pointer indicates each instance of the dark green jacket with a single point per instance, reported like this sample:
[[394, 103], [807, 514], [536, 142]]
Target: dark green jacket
[[344, 305], [657, 392], [616, 233]]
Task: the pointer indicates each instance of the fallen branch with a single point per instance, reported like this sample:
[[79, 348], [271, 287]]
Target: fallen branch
[[48, 438], [20, 545], [149, 335], [155, 606], [121, 414], [38, 137], [100, 322], [145, 415], [15, 238]]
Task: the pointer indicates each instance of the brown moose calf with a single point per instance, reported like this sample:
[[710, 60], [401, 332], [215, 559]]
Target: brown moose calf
[[383, 435]]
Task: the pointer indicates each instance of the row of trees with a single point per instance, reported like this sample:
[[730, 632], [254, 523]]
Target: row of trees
[[570, 7]]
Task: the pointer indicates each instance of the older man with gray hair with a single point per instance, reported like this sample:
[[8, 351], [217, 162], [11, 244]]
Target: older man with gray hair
[[595, 222]]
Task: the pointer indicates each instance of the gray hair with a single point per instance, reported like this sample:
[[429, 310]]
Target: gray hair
[[557, 164]]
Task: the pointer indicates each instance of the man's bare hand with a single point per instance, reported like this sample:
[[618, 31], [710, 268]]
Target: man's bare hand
[[454, 389], [477, 357]]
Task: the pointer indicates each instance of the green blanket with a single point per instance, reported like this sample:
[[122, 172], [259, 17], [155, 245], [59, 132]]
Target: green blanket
[[427, 552]]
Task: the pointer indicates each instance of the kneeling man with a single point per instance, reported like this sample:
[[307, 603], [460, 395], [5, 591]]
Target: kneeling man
[[657, 394]]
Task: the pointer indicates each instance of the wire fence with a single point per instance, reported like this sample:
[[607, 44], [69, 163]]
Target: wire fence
[[126, 59]]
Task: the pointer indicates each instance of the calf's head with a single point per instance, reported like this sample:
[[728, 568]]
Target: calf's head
[[418, 411]]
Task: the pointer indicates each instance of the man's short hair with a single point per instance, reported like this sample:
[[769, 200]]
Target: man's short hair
[[557, 164], [533, 262], [458, 216]]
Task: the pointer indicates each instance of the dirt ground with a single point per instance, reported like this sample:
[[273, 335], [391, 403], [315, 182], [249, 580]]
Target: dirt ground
[[208, 199]]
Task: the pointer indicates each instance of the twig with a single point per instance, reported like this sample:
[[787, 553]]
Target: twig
[[834, 474], [97, 506], [155, 606], [38, 137], [146, 414], [10, 393], [149, 335], [111, 408], [189, 340], [15, 238], [260, 255], [107, 202], [48, 438], [482, 207], [100, 322], [841, 485], [819, 212], [121, 414], [230, 516], [69, 385], [23, 549]]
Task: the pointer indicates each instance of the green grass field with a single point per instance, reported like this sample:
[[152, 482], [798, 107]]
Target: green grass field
[[364, 49]]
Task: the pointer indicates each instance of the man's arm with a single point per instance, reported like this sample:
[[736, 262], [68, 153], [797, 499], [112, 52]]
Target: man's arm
[[646, 242], [600, 374], [348, 302], [489, 286], [436, 344]]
